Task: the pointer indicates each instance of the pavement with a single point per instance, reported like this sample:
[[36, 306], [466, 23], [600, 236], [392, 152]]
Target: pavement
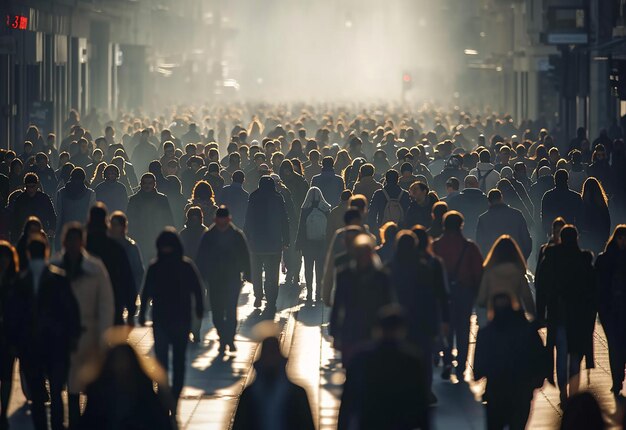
[[214, 382]]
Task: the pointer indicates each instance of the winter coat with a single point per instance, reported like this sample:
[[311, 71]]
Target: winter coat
[[113, 194], [472, 203], [73, 203], [595, 227], [148, 214], [235, 198], [502, 219], [331, 185], [24, 206], [366, 186], [379, 202], [143, 154], [134, 258], [419, 214], [610, 269], [190, 238], [506, 278], [93, 291], [487, 176], [561, 201], [267, 223]]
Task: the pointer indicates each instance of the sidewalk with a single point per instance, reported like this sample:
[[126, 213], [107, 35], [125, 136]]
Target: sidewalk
[[214, 383]]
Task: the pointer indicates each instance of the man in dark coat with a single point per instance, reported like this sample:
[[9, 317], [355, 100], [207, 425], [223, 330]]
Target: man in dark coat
[[144, 153], [561, 201], [116, 262], [267, 230], [510, 354], [45, 173], [235, 198], [362, 290], [43, 321], [471, 202], [272, 390], [379, 200], [111, 191], [148, 212], [331, 184], [223, 257], [501, 219], [421, 207], [31, 202], [385, 386]]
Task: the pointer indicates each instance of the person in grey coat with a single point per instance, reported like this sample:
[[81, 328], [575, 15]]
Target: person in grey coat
[[118, 229], [501, 219], [73, 202], [111, 191]]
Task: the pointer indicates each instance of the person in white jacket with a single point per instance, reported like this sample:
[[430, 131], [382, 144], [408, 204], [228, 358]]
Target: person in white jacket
[[485, 172]]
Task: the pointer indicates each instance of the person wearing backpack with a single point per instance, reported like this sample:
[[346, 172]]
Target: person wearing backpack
[[421, 206], [389, 203], [485, 172], [311, 238]]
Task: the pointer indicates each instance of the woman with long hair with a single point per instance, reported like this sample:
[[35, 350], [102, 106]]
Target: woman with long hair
[[202, 196], [9, 267], [351, 173], [611, 278], [31, 226], [342, 160], [596, 225], [311, 238], [295, 151], [98, 175], [505, 272]]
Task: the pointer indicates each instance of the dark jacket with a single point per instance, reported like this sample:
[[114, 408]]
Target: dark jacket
[[472, 203], [135, 259], [385, 388], [298, 188], [566, 296], [24, 206], [536, 192], [595, 227], [420, 213], [117, 264], [267, 222], [610, 269], [561, 201], [113, 194], [72, 204], [330, 184], [236, 200], [502, 219], [379, 202], [171, 283], [42, 324], [223, 257], [148, 214], [511, 355]]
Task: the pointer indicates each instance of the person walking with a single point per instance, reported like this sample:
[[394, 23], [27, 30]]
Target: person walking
[[595, 225], [93, 291], [331, 184], [561, 201], [267, 231], [42, 318], [390, 203], [235, 198], [610, 269], [111, 191], [504, 272], [115, 259], [311, 239], [566, 303], [224, 261], [9, 267], [471, 203], [464, 267], [148, 212], [118, 231], [172, 282], [31, 202], [363, 288], [73, 202], [510, 354]]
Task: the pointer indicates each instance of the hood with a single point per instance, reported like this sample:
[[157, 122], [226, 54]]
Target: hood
[[267, 185]]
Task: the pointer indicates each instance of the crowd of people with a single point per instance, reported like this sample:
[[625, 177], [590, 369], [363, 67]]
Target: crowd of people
[[407, 222]]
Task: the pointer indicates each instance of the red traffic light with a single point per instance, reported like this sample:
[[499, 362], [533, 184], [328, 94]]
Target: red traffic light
[[406, 77]]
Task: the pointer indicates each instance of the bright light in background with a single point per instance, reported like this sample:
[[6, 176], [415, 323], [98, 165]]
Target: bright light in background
[[348, 24], [470, 52]]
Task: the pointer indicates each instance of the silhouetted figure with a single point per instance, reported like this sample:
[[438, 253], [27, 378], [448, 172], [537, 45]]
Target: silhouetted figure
[[328, 182], [73, 202], [29, 203], [272, 401], [595, 225], [235, 198], [510, 354], [420, 211], [561, 201], [122, 397], [111, 191], [224, 261], [191, 235], [385, 386], [471, 202], [611, 278], [566, 301], [582, 412], [172, 282], [119, 232], [9, 267], [390, 203], [43, 321]]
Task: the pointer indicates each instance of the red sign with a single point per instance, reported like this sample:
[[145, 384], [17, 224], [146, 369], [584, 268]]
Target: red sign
[[17, 22]]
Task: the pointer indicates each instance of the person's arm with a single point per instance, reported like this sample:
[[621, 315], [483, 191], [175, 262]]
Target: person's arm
[[195, 284], [525, 238], [147, 292], [284, 223], [244, 253], [300, 236], [105, 302]]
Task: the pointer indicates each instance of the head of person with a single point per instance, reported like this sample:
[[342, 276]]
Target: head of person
[[452, 185], [424, 241], [222, 218], [582, 411], [593, 193], [345, 197], [557, 226], [73, 239], [31, 226], [31, 184], [194, 217], [97, 220], [560, 178], [363, 249], [470, 181], [453, 222], [37, 247], [41, 160], [617, 241], [16, 167], [28, 147], [388, 232], [438, 211], [352, 217], [418, 191], [286, 169], [391, 177], [83, 146], [406, 170], [494, 197], [405, 243], [203, 191], [148, 183], [168, 245], [366, 170], [328, 163], [171, 167], [238, 177], [391, 323], [359, 202], [314, 156], [118, 224], [569, 236], [111, 173], [599, 154], [484, 156], [505, 250], [9, 265], [501, 305]]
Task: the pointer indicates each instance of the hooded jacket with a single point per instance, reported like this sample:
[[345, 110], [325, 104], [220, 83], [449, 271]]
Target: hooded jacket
[[267, 222]]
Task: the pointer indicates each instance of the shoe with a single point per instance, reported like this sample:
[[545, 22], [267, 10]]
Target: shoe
[[232, 347], [258, 302], [446, 372]]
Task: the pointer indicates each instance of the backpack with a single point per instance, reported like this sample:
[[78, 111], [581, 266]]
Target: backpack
[[393, 209], [316, 224], [482, 179]]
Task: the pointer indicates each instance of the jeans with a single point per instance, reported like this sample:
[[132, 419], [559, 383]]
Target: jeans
[[462, 303], [315, 258], [35, 371], [177, 339], [224, 310], [567, 364], [270, 263]]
